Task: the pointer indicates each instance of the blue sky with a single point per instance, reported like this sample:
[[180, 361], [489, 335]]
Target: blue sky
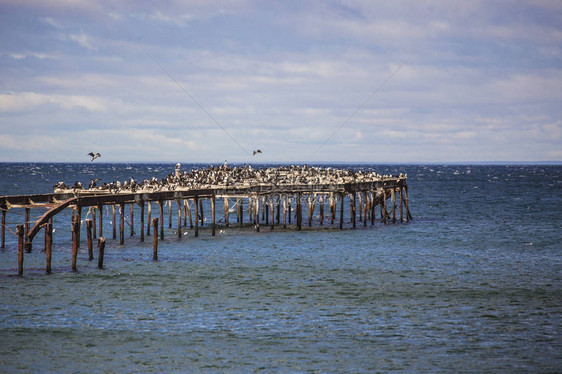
[[483, 82]]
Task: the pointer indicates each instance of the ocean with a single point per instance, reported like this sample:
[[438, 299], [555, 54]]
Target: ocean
[[472, 284]]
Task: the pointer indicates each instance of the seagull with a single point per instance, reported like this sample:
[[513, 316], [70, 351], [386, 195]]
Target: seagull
[[257, 151], [94, 156]]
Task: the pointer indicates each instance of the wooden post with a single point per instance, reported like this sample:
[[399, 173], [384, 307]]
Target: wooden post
[[94, 221], [213, 215], [332, 208], [196, 217], [401, 196], [360, 207], [170, 214], [265, 204], [299, 211], [393, 199], [101, 249], [238, 209], [148, 217], [201, 211], [141, 203], [353, 195], [383, 207], [89, 238], [114, 224], [257, 213], [263, 210], [408, 215], [161, 205], [341, 210], [364, 207], [48, 245], [373, 194], [3, 227], [75, 226], [20, 231], [321, 203], [226, 203], [285, 197], [272, 212], [122, 224], [155, 239], [242, 212], [310, 208], [178, 202], [184, 204], [132, 223]]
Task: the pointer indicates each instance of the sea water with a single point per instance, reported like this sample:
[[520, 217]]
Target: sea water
[[472, 284]]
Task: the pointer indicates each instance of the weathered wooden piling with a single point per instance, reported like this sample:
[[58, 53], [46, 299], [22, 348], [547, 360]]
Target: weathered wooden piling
[[101, 252], [89, 238], [132, 221], [20, 231], [196, 231], [170, 214], [299, 211], [48, 245], [226, 211], [155, 239], [341, 210], [178, 202], [310, 209], [148, 218], [213, 215], [100, 232], [241, 209], [141, 204], [271, 211], [257, 213], [114, 224], [75, 228], [122, 224]]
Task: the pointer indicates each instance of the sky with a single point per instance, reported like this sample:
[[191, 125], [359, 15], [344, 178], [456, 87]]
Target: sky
[[302, 81]]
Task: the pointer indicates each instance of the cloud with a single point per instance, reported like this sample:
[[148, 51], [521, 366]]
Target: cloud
[[26, 101], [82, 39]]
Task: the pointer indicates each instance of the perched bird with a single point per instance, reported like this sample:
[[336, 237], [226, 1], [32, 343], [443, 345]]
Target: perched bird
[[94, 156], [257, 151]]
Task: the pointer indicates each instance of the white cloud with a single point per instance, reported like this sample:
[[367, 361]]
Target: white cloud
[[84, 40], [22, 102]]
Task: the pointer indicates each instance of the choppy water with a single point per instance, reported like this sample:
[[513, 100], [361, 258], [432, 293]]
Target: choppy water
[[472, 284]]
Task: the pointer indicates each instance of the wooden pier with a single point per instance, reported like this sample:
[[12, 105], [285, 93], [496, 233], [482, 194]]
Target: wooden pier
[[272, 198]]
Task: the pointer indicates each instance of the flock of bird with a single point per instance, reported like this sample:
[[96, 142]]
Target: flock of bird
[[237, 176]]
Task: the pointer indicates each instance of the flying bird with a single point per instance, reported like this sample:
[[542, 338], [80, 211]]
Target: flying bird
[[257, 151], [94, 156]]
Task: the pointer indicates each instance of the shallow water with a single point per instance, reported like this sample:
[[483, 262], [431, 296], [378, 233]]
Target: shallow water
[[473, 283]]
